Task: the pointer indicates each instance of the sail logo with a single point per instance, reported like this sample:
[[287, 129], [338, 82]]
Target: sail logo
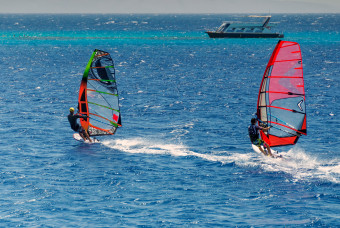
[[299, 105]]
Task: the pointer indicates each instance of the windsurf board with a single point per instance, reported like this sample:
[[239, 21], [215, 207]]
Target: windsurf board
[[77, 137], [274, 152]]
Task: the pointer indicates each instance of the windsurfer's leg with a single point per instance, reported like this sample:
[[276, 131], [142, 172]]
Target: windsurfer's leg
[[79, 129], [268, 149], [82, 135], [260, 148], [259, 145], [87, 135]]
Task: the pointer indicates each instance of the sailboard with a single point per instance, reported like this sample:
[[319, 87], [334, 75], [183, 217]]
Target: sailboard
[[281, 99], [77, 137], [275, 153], [98, 96]]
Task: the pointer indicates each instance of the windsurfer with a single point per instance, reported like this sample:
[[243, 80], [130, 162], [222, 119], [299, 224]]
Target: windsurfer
[[72, 118], [253, 131]]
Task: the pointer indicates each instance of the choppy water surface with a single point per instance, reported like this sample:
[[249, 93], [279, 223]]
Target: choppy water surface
[[182, 157]]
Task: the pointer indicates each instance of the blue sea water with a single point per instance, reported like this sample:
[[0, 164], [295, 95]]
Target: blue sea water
[[183, 156]]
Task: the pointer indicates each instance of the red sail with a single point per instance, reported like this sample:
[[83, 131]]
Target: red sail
[[281, 101]]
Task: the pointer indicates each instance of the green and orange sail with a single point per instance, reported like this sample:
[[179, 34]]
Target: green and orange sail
[[98, 96]]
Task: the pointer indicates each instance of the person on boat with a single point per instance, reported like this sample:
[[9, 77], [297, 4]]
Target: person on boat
[[72, 118], [254, 136]]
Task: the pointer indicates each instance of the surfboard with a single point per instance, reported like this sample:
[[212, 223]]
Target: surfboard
[[77, 137]]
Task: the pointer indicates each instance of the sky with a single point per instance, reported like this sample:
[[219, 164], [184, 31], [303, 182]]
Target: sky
[[170, 6]]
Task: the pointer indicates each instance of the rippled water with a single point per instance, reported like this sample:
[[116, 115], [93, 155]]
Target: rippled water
[[182, 157]]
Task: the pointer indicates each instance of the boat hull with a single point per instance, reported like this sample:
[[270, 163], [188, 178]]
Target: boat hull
[[243, 35]]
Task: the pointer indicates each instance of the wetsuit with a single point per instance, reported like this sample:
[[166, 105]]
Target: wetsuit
[[72, 118], [254, 136]]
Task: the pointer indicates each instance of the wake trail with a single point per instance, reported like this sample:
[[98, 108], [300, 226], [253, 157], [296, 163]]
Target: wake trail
[[303, 166], [295, 162], [142, 146]]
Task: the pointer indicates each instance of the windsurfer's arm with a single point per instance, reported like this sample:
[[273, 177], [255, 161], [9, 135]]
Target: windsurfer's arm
[[265, 128], [84, 117], [81, 116]]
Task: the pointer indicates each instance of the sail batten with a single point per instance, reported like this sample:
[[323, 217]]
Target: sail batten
[[285, 126], [102, 80], [102, 67], [98, 96], [287, 60], [103, 106], [281, 99], [284, 76], [102, 92]]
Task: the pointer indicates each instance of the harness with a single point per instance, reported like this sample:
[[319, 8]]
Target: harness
[[253, 133]]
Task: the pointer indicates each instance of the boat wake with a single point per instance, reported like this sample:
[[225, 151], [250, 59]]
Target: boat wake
[[295, 162]]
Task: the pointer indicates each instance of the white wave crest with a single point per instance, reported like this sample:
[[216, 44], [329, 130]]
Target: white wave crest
[[296, 162], [303, 166]]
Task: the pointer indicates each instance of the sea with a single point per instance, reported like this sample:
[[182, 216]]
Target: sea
[[183, 157]]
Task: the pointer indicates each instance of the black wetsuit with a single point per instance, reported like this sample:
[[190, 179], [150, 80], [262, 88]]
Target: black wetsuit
[[254, 136], [253, 131], [72, 118]]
